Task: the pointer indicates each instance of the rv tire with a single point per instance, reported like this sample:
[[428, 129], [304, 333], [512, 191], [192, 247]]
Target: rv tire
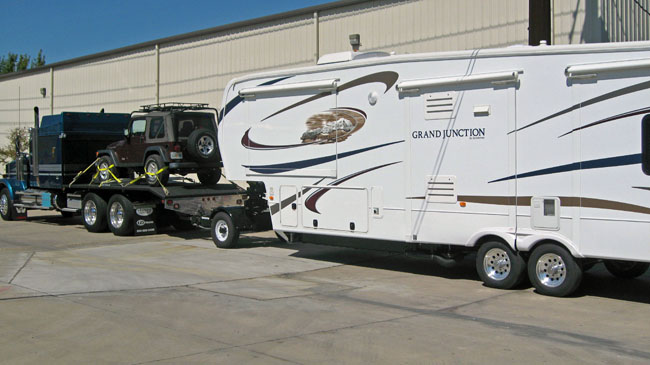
[[93, 211], [626, 269], [7, 210], [224, 233], [499, 266], [553, 271], [120, 215]]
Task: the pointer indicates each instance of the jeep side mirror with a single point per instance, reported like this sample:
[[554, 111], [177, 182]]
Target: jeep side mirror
[[126, 133]]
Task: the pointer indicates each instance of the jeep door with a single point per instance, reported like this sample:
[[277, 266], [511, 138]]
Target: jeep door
[[131, 153]]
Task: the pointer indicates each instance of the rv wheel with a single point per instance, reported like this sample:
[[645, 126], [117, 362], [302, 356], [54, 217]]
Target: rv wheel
[[499, 266], [120, 215], [93, 210], [224, 232], [553, 271], [7, 210], [626, 269]]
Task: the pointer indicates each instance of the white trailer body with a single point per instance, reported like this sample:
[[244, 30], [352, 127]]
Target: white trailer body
[[524, 145]]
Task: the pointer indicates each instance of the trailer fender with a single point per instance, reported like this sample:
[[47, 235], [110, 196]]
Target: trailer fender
[[238, 215], [528, 239], [507, 235]]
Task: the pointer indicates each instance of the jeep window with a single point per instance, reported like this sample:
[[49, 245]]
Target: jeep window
[[185, 127], [186, 123], [138, 126], [157, 128]]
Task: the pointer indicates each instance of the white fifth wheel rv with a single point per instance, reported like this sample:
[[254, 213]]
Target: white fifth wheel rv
[[536, 158]]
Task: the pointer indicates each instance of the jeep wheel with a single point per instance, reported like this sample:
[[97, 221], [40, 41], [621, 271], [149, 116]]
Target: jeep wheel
[[106, 166], [209, 177], [152, 166], [202, 145]]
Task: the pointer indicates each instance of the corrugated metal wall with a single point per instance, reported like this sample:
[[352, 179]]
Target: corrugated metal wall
[[197, 69]]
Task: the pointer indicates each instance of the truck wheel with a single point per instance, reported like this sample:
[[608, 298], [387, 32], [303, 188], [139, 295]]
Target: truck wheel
[[120, 215], [7, 210], [626, 269], [499, 266], [202, 145], [93, 209], [153, 164], [209, 177], [553, 271], [104, 164], [224, 232]]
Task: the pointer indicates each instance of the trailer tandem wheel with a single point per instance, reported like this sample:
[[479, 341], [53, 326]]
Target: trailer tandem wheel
[[120, 215], [93, 210], [224, 233], [553, 271], [499, 266]]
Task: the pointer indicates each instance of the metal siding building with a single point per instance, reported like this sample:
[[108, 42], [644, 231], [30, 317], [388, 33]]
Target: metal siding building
[[195, 67]]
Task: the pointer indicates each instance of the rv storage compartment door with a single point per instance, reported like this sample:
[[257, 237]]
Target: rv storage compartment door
[[335, 208], [288, 206], [293, 130]]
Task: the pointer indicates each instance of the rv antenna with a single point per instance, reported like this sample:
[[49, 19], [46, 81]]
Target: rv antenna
[[355, 42]]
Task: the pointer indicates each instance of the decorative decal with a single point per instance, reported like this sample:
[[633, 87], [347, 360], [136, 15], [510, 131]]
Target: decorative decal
[[334, 125], [606, 120], [238, 99], [387, 78], [295, 165], [584, 165], [310, 202]]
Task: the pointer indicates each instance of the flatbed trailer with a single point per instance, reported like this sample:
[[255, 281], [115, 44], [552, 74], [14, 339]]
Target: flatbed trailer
[[58, 174]]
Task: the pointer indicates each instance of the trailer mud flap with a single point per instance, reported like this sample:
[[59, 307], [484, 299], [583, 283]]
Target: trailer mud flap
[[144, 221]]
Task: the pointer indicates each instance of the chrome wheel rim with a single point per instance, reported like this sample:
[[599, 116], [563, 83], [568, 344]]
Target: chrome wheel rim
[[4, 204], [103, 174], [221, 230], [90, 212], [152, 168], [116, 214], [205, 145], [496, 264], [550, 270]]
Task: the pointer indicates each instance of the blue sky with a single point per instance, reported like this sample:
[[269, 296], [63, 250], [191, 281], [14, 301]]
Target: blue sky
[[66, 29]]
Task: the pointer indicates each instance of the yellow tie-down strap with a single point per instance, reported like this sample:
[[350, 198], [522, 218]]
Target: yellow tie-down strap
[[115, 178], [80, 173], [151, 174]]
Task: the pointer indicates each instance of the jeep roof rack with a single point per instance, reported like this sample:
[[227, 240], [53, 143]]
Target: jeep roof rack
[[172, 106]]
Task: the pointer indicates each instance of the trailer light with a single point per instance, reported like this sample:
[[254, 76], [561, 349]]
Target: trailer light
[[177, 206], [170, 202], [177, 148], [239, 201], [462, 204], [271, 197]]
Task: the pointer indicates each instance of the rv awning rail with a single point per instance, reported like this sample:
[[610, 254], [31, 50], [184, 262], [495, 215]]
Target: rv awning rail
[[504, 77], [320, 85], [593, 69]]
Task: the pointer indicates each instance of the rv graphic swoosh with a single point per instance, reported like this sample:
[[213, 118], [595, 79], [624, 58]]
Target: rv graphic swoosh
[[598, 99], [565, 201], [274, 208], [584, 165], [610, 119], [641, 187], [296, 165], [387, 78], [356, 115], [238, 99], [310, 202]]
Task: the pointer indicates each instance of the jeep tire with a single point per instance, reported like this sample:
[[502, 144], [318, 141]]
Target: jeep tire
[[202, 145], [106, 164], [152, 165], [209, 177]]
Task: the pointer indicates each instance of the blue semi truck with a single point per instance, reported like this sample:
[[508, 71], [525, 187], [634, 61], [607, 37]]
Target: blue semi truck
[[60, 173]]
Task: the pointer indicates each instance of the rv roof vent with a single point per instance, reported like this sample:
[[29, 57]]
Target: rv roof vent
[[349, 56]]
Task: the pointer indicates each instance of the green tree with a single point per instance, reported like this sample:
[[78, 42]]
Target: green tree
[[8, 151], [14, 62]]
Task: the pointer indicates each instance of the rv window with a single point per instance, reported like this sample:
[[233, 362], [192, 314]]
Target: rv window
[[645, 144]]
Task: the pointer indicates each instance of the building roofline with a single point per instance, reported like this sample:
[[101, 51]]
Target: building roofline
[[184, 36]]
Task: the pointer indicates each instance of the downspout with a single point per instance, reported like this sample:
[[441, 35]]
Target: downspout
[[316, 32], [51, 91], [157, 74]]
